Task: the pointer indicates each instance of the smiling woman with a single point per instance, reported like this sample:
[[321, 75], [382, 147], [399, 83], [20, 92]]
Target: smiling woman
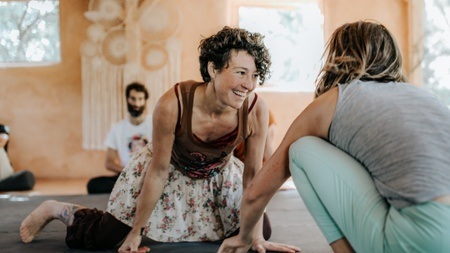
[[186, 185]]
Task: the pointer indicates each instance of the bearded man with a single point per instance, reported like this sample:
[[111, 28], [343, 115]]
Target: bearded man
[[125, 138]]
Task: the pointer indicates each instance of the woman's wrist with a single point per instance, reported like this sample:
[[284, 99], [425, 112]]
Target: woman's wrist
[[142, 231], [138, 231], [245, 237]]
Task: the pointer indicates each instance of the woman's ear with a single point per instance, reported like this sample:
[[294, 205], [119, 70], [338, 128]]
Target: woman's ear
[[211, 70]]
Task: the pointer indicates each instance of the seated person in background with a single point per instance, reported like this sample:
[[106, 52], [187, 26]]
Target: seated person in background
[[10, 181], [369, 156], [269, 147], [125, 138], [186, 185]]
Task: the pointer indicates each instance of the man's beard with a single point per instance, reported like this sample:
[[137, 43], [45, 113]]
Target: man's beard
[[135, 112]]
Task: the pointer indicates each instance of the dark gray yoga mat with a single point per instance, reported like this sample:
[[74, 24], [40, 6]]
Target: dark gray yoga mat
[[291, 224]]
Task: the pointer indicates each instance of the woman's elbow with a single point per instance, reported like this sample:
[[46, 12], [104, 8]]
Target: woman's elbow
[[252, 194]]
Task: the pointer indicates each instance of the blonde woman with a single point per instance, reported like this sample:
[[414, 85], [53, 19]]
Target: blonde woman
[[369, 156]]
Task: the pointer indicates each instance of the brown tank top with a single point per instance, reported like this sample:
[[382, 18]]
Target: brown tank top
[[192, 156]]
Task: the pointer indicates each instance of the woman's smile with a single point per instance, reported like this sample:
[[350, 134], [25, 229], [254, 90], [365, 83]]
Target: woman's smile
[[240, 93]]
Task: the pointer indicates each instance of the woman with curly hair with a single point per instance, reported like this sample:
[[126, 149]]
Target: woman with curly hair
[[186, 185], [369, 156]]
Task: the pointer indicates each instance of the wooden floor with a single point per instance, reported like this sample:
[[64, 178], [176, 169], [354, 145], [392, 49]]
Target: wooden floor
[[56, 187], [76, 187]]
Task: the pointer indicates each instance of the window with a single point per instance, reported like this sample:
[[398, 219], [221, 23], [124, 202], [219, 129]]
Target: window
[[436, 57], [30, 33], [293, 33]]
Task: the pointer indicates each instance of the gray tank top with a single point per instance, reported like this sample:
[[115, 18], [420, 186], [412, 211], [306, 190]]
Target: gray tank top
[[400, 133]]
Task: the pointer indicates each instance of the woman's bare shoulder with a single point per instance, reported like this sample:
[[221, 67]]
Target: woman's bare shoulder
[[166, 109], [259, 114]]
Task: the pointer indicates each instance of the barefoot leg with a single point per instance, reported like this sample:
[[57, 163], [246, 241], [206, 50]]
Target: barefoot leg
[[43, 214]]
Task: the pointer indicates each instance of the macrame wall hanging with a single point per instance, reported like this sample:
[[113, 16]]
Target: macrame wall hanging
[[128, 40]]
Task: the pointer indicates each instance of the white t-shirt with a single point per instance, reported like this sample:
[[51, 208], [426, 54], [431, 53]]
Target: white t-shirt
[[127, 138]]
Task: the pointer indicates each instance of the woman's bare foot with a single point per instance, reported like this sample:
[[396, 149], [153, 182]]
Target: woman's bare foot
[[43, 214]]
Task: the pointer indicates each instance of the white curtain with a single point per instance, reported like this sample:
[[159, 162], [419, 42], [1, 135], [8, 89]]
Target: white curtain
[[127, 42]]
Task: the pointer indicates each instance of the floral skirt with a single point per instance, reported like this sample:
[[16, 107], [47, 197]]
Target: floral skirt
[[189, 209]]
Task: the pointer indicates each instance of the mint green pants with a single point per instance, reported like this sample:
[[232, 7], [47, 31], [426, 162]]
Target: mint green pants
[[341, 196]]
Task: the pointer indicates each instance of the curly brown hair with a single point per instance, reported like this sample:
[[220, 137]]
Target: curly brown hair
[[363, 50], [218, 47]]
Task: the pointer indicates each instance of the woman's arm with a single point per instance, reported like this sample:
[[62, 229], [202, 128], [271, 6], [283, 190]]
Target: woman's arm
[[269, 147], [112, 161], [164, 122], [258, 121], [315, 120]]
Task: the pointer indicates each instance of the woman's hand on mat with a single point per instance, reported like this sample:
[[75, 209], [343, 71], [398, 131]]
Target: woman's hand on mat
[[261, 246], [131, 245], [237, 245]]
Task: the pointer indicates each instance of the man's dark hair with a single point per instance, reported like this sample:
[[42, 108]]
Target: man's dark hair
[[137, 87]]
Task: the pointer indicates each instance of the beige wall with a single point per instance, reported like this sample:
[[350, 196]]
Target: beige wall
[[43, 105], [394, 14]]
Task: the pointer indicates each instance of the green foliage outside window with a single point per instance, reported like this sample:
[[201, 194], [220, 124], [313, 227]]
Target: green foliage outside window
[[29, 33], [436, 58]]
